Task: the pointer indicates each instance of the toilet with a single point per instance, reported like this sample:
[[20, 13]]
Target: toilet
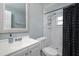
[[49, 51]]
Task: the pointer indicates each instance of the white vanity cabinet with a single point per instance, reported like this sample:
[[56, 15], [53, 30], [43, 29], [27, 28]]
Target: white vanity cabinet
[[32, 50], [13, 17], [21, 52]]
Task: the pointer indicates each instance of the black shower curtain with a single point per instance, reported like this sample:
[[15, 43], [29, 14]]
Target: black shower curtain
[[71, 30]]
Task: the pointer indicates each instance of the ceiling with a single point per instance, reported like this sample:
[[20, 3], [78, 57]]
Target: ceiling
[[47, 4]]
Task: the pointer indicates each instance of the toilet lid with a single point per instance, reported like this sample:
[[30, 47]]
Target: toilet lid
[[49, 51]]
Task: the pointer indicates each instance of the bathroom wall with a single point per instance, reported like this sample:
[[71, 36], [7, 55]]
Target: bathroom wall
[[7, 35], [36, 20]]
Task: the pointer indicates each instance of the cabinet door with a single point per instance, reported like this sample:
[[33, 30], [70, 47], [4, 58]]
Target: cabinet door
[[34, 50], [22, 52], [26, 54]]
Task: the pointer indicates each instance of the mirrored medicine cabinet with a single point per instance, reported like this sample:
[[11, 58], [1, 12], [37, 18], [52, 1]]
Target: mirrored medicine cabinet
[[13, 17]]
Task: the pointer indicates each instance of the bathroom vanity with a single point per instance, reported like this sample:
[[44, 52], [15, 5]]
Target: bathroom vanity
[[25, 47]]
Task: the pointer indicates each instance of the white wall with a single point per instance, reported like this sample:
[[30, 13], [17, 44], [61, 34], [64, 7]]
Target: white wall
[[36, 20]]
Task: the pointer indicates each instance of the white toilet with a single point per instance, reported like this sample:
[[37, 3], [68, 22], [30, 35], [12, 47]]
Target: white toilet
[[49, 51]]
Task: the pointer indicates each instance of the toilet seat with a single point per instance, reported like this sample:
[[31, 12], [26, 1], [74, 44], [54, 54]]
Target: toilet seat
[[49, 51]]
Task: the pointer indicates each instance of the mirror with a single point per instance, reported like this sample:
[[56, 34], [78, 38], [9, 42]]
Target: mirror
[[15, 15]]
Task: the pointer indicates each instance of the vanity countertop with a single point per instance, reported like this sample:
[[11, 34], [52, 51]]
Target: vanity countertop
[[7, 48]]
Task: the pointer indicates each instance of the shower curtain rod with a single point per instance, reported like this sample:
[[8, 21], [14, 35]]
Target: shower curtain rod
[[59, 8], [53, 11]]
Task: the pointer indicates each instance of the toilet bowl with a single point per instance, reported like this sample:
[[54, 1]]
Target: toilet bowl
[[49, 51]]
